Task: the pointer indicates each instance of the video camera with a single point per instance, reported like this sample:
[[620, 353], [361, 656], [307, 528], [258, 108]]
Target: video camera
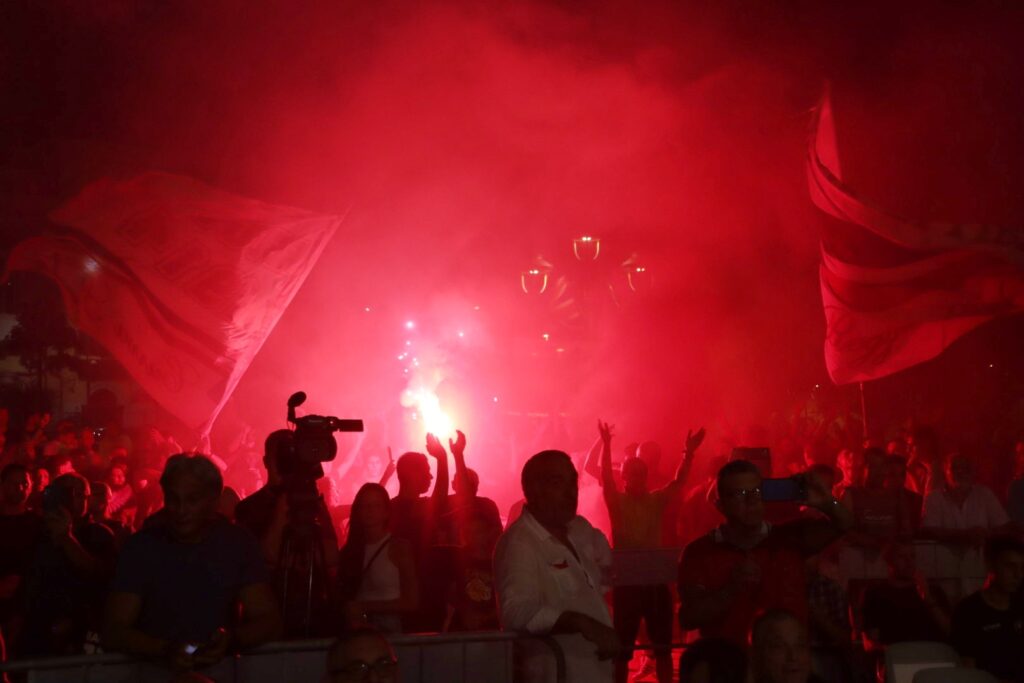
[[298, 462]]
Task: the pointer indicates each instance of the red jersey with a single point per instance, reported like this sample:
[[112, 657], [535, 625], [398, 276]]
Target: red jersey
[[781, 555]]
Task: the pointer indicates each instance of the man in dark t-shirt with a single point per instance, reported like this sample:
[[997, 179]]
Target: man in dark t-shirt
[[988, 626], [66, 583], [417, 519], [182, 579], [904, 607], [20, 533]]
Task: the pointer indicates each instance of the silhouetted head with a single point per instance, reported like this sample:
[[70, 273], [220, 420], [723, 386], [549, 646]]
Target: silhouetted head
[[875, 466], [739, 494], [959, 472], [277, 445], [371, 508], [550, 484], [895, 472], [780, 652], [99, 499], [634, 475], [713, 660], [191, 484], [15, 485], [74, 493], [650, 453], [1004, 558], [362, 654], [413, 470], [468, 485]]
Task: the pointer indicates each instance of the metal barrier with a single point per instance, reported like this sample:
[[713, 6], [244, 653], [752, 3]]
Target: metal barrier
[[959, 570], [450, 657]]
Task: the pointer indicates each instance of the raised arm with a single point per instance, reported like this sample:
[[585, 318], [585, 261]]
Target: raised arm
[[458, 449], [389, 470], [693, 442], [592, 465], [438, 453], [607, 476]]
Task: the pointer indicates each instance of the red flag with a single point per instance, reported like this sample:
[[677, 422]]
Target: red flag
[[180, 281], [936, 282]]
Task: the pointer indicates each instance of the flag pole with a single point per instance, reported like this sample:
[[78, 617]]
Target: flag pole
[[863, 411]]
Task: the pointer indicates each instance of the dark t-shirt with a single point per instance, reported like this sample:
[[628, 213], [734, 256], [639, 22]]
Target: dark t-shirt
[[993, 638], [884, 513], [256, 512], [189, 590], [58, 593], [19, 535], [899, 614], [413, 520]]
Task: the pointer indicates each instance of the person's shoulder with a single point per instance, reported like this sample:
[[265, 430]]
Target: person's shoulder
[[257, 500], [969, 606], [145, 541], [224, 531], [580, 523], [518, 535], [700, 547]]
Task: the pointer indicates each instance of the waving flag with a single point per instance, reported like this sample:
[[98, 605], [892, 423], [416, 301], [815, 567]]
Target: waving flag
[[180, 281], [898, 292]]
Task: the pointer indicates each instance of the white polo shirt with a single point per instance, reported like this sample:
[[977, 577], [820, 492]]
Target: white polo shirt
[[538, 579], [980, 509]]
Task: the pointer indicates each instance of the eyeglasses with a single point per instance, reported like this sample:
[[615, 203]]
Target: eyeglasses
[[383, 669], [743, 494]]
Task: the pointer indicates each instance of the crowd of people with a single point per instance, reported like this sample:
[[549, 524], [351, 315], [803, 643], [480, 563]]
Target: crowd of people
[[132, 545]]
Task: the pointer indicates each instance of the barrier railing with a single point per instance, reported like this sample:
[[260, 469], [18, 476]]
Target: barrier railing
[[452, 657]]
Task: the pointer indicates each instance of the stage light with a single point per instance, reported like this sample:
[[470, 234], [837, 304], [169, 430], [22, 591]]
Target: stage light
[[366, 309], [639, 278], [546, 336], [409, 324], [534, 281], [461, 334], [586, 248]]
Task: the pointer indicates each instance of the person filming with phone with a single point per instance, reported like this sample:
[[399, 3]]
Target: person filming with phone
[[746, 565]]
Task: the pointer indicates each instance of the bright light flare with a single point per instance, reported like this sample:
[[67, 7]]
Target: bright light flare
[[428, 409]]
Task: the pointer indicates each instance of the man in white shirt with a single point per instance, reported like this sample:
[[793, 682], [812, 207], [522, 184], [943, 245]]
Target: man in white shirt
[[962, 512], [551, 571], [960, 516]]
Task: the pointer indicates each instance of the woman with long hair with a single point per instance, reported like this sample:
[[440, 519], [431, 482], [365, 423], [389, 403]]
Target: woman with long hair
[[377, 580]]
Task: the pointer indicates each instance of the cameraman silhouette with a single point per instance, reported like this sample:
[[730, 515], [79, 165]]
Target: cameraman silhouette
[[266, 514]]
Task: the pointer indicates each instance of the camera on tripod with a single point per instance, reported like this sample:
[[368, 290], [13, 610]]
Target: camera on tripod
[[299, 462]]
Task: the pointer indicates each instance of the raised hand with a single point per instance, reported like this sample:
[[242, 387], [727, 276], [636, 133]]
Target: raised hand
[[458, 447], [605, 430], [693, 441], [434, 447]]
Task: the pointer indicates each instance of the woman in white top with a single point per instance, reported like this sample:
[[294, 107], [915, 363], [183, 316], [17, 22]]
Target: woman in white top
[[377, 574]]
